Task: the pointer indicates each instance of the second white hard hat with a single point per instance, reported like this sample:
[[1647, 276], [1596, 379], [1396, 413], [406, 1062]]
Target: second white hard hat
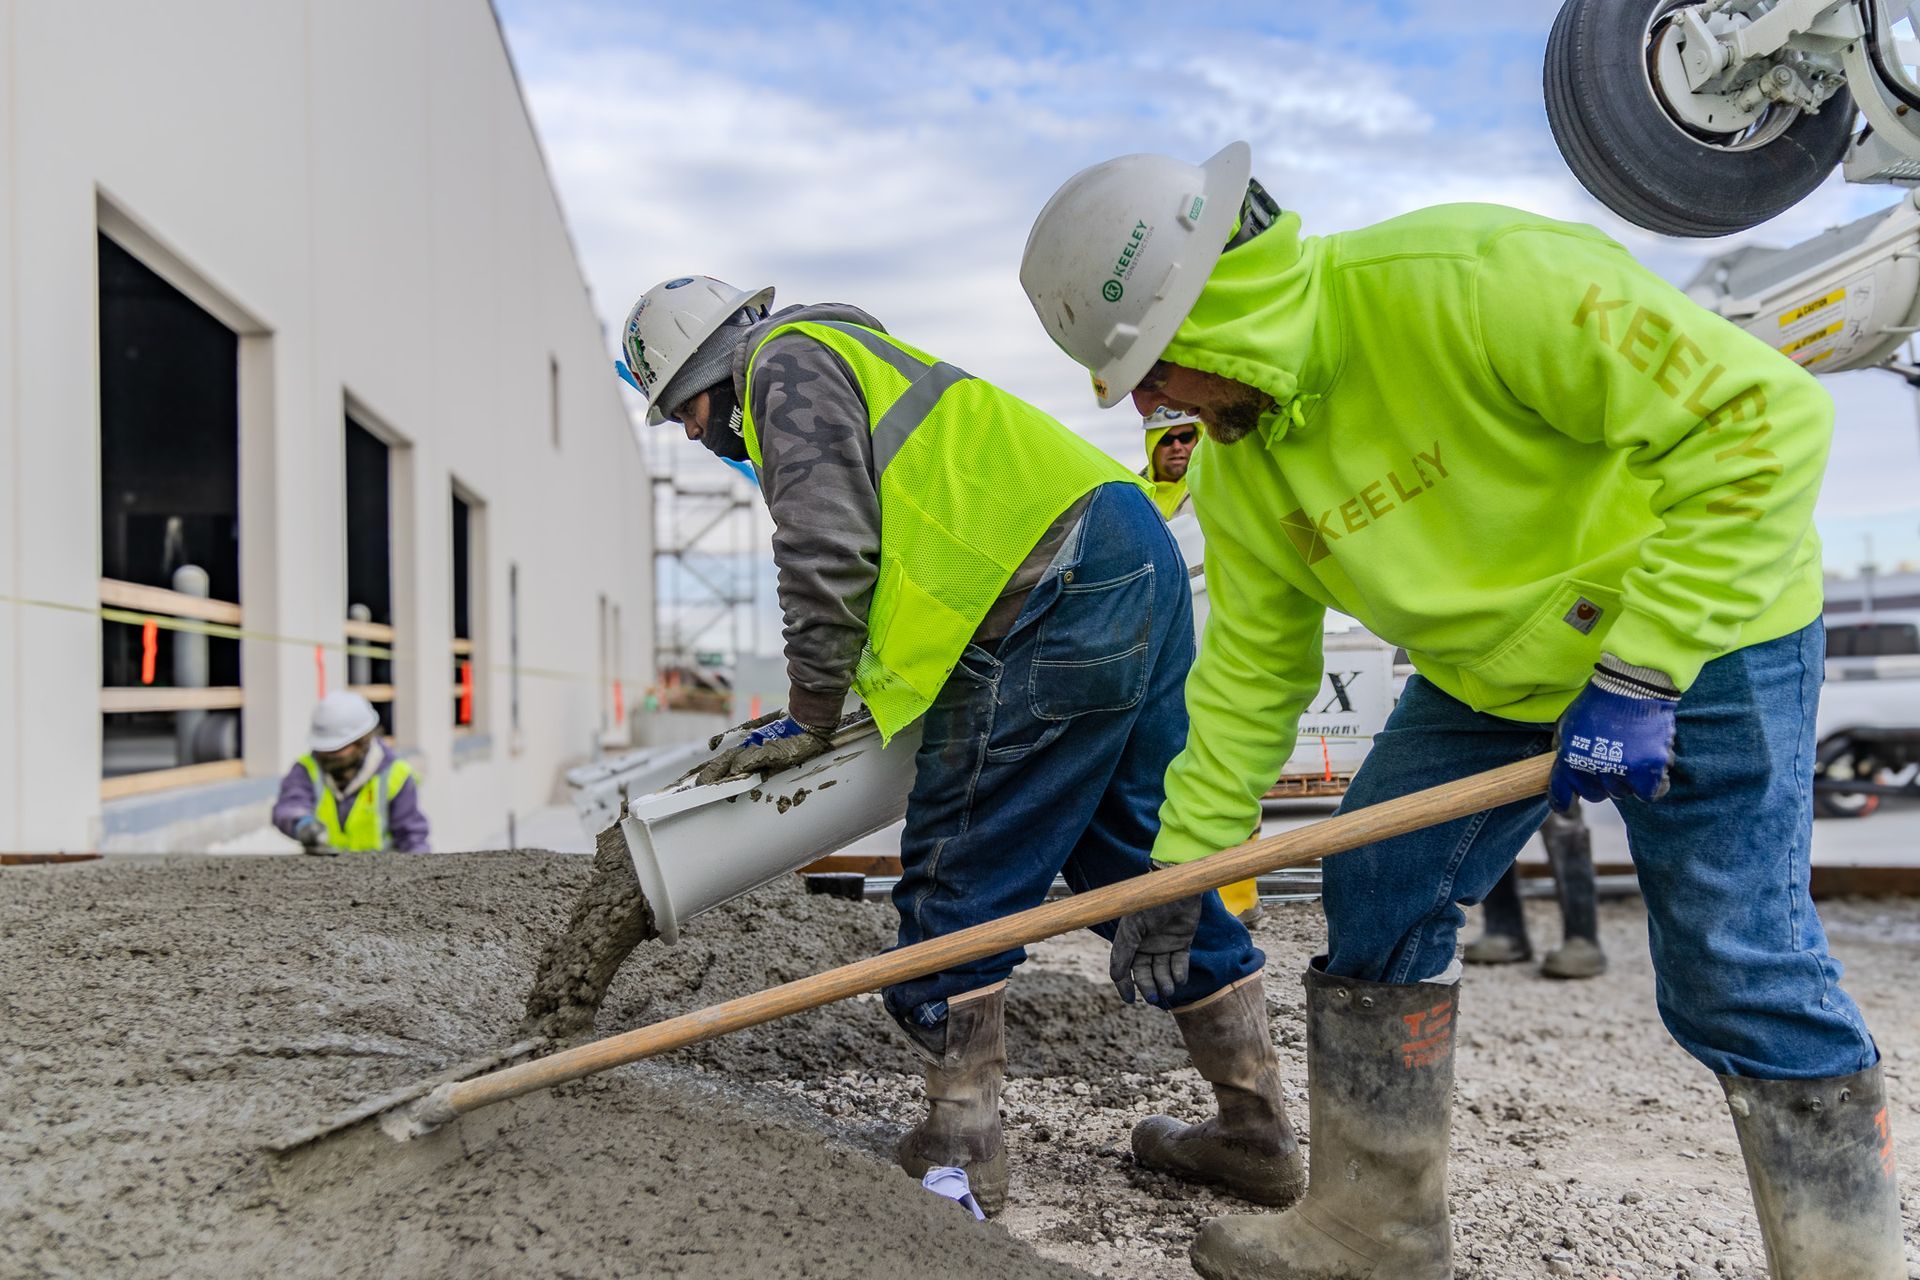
[[1120, 254], [670, 322], [340, 718], [1168, 416]]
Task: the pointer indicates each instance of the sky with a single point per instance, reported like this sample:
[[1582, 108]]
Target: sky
[[894, 156]]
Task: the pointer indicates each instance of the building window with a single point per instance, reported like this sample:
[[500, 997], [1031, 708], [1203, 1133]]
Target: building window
[[369, 604], [469, 611], [170, 533], [513, 647]]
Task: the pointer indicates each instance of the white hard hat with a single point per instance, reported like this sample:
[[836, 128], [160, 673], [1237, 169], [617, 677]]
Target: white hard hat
[[670, 322], [341, 718], [1119, 255], [1168, 416]]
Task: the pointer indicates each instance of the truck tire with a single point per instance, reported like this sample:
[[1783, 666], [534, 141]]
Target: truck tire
[[1836, 754], [1637, 157]]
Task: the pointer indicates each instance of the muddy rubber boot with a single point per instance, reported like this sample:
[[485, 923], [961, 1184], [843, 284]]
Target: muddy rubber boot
[[1380, 1095], [962, 1128], [1249, 1148], [1503, 939], [1570, 850], [1820, 1161]]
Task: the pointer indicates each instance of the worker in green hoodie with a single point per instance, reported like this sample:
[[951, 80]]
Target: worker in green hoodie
[[1584, 506]]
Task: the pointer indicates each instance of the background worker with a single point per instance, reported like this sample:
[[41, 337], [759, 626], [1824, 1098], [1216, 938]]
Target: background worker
[[1172, 436], [1584, 506], [1503, 919], [349, 794], [956, 557]]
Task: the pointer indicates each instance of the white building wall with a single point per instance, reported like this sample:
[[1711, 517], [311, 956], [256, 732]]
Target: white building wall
[[355, 183]]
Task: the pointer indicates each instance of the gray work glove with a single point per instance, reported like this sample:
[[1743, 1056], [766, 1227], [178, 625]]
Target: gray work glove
[[713, 743], [769, 749], [1150, 950], [312, 835]]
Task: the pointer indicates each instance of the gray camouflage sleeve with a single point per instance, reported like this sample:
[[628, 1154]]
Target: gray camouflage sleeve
[[817, 473]]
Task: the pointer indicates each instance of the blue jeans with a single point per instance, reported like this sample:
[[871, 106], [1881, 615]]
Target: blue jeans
[[1743, 978], [1047, 756]]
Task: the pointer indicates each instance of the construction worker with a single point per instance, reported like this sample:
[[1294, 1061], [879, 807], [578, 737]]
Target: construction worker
[[1171, 439], [957, 558], [349, 794], [1172, 436], [1583, 504], [1503, 938]]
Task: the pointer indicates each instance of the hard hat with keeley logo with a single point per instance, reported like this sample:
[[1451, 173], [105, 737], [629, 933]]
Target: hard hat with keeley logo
[[1119, 255], [341, 718], [670, 322]]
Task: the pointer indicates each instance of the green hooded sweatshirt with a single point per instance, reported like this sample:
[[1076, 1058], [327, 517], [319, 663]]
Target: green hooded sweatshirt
[[1500, 443]]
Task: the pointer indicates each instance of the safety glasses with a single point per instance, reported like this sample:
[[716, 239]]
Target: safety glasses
[[1180, 437]]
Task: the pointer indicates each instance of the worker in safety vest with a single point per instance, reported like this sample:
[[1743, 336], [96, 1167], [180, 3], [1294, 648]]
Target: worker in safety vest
[[1172, 436], [1583, 505], [956, 557], [349, 794]]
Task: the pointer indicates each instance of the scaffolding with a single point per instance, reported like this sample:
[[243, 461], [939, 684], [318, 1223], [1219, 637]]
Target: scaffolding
[[707, 552]]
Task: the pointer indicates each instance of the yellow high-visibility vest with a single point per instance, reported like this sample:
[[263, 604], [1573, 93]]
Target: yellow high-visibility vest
[[969, 478], [365, 829]]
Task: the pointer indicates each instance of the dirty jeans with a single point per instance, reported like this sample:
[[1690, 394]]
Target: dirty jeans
[[1742, 975], [1046, 757]]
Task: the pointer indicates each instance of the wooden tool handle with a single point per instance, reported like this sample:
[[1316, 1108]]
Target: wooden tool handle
[[1431, 807]]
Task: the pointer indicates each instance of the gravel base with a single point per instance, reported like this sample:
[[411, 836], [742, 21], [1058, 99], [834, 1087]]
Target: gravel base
[[161, 1018]]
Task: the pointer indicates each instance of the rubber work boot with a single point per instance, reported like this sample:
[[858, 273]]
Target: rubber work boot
[[1504, 936], [1380, 1097], [962, 1128], [1570, 849], [1820, 1160], [1249, 1148]]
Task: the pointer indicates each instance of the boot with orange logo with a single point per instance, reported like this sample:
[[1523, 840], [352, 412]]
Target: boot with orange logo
[[1380, 1099], [1820, 1160]]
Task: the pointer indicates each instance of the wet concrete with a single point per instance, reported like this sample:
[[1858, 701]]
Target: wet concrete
[[610, 918], [162, 1018]]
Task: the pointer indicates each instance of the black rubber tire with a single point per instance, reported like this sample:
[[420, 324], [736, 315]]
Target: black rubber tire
[[1839, 804], [1626, 150]]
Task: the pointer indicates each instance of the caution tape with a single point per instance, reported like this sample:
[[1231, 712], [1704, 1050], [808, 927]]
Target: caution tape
[[227, 631]]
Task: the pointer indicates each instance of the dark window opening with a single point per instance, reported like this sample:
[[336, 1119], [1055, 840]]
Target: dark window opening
[[465, 679], [169, 508], [369, 557]]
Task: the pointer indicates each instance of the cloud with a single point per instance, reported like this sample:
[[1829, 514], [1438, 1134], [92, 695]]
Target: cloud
[[895, 158]]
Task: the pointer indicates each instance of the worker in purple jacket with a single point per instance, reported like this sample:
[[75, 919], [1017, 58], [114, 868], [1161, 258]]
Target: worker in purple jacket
[[350, 794]]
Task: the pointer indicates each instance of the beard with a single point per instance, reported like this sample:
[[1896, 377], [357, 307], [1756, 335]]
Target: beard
[[1235, 419]]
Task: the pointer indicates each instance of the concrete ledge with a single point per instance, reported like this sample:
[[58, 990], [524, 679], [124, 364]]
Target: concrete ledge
[[142, 815], [468, 747]]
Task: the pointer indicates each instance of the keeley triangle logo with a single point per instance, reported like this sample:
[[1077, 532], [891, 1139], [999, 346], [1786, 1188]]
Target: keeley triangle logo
[[1314, 538]]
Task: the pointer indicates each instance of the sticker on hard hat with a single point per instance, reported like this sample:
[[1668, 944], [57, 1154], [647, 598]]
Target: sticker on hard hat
[[675, 284], [1125, 261]]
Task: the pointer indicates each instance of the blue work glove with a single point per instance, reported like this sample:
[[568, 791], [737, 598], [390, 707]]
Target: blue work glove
[[312, 836], [1151, 950], [1616, 740], [769, 749]]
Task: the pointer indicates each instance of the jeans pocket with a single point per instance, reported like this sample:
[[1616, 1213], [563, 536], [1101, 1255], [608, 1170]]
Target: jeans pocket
[[1093, 648], [963, 709]]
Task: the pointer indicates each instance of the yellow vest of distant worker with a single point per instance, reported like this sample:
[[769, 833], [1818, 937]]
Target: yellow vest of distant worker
[[365, 828], [969, 478]]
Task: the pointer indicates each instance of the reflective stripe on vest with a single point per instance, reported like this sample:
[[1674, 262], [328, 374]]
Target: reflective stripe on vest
[[969, 478], [366, 827]]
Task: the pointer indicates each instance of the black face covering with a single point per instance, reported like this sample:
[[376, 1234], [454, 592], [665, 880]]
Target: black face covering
[[722, 435]]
